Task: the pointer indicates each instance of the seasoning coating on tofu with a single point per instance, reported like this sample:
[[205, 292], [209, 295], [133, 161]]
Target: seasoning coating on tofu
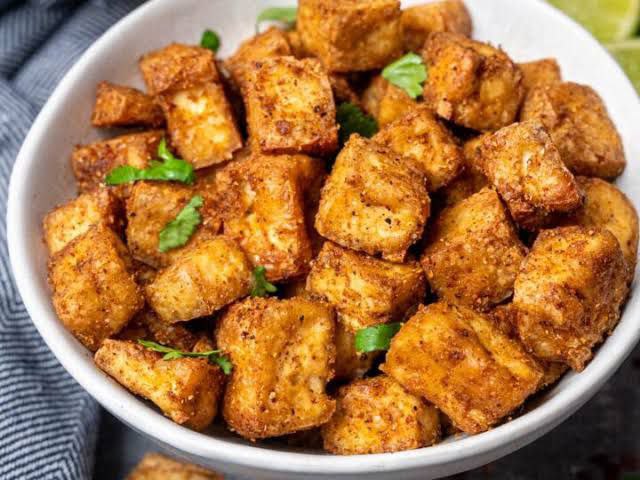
[[540, 73], [470, 83], [421, 139], [283, 353], [118, 106], [77, 216], [94, 293], [158, 467], [373, 201], [365, 291], [469, 182], [377, 415], [205, 277], [147, 326], [385, 102], [350, 364], [458, 360], [473, 252], [526, 169], [351, 35], [290, 107], [579, 124], [185, 389], [443, 16], [569, 293]]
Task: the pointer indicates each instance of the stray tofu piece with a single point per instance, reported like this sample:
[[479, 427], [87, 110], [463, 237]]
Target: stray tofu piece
[[91, 163], [147, 326], [365, 291], [158, 467], [118, 106], [373, 201], [350, 364], [187, 390], [526, 169], [178, 67], [94, 293], [290, 107], [569, 293], [458, 360], [540, 73], [206, 276], [283, 353], [423, 140], [77, 216], [377, 415], [473, 252], [444, 16], [351, 35], [471, 83], [580, 127], [385, 102]]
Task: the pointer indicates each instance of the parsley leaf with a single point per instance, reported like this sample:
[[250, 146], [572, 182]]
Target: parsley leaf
[[376, 338], [261, 287], [210, 40], [408, 73], [169, 169], [178, 232], [286, 15], [214, 356], [353, 120]]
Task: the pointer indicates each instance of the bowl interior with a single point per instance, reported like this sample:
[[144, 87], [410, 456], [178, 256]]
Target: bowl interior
[[42, 178]]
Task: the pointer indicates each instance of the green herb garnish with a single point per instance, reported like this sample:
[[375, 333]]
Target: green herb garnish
[[408, 73], [353, 120], [214, 356], [178, 232], [261, 287], [376, 338], [210, 40], [285, 15]]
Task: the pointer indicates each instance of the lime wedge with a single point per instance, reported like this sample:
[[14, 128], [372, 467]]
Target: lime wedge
[[628, 55], [607, 20]]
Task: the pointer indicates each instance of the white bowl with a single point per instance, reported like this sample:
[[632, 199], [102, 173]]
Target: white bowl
[[42, 178]]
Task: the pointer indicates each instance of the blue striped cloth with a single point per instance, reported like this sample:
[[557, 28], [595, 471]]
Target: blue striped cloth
[[48, 424]]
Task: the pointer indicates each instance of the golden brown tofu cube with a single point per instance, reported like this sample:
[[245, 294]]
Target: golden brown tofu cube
[[290, 107], [365, 291], [147, 326], [385, 102], [351, 35], [579, 125], [350, 364], [540, 73], [91, 163], [94, 293], [473, 252], [373, 201], [466, 184], [377, 415], [471, 83], [205, 277], [569, 293], [77, 216], [187, 390], [458, 360], [444, 16], [178, 67], [423, 140], [282, 353], [118, 106], [158, 467], [261, 200], [526, 169]]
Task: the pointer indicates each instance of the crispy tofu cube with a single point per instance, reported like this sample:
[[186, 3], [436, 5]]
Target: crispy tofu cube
[[420, 21], [466, 184], [187, 390], [473, 252], [377, 415], [290, 107], [350, 364], [373, 201], [178, 67], [526, 169], [118, 106], [423, 140], [91, 163], [158, 467], [206, 276], [365, 291], [94, 293], [147, 326], [282, 353], [77, 216], [471, 83], [579, 125], [351, 35], [458, 360], [385, 102], [569, 293], [540, 73]]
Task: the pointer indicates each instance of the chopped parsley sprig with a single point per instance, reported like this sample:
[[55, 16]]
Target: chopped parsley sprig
[[177, 232], [285, 15], [408, 73], [210, 40], [376, 338], [353, 120], [261, 287], [214, 356]]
